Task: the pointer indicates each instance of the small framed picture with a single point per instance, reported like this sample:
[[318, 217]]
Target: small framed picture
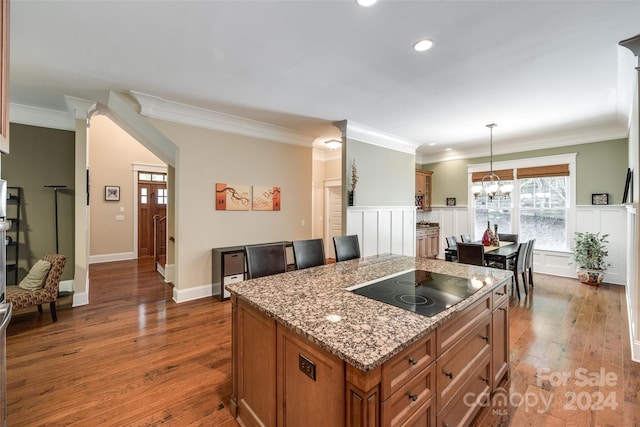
[[451, 201], [600, 199], [112, 193]]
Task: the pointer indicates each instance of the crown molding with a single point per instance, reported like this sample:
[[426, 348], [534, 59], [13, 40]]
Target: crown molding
[[369, 135], [41, 117], [584, 135], [160, 108]]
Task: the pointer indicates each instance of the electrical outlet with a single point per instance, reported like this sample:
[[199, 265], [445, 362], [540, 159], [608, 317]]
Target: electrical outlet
[[307, 366]]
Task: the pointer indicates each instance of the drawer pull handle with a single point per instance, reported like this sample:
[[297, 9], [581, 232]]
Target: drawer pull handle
[[502, 308], [486, 380], [485, 337], [412, 361], [448, 374], [413, 397], [499, 293]]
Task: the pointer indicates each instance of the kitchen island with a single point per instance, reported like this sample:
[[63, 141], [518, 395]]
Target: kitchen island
[[307, 351]]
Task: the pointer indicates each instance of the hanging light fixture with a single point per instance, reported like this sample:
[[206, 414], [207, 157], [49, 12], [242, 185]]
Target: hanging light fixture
[[490, 185]]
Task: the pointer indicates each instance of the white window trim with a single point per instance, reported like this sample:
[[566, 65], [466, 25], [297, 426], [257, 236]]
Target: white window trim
[[569, 158]]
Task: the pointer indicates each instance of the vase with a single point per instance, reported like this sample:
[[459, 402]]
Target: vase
[[351, 197], [590, 277], [487, 237]]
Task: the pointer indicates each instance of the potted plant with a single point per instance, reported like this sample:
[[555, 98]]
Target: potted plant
[[590, 251]]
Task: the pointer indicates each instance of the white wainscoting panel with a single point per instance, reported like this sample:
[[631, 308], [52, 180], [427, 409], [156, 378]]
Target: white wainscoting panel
[[383, 229], [453, 220]]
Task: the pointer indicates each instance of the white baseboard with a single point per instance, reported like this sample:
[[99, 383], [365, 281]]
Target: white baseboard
[[66, 286], [183, 295], [169, 273], [123, 256], [80, 299]]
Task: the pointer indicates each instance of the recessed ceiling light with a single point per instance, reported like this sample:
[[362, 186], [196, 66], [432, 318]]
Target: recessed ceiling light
[[422, 45], [433, 143], [333, 144], [366, 3]]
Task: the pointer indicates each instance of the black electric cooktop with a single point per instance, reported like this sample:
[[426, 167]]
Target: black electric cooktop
[[420, 291]]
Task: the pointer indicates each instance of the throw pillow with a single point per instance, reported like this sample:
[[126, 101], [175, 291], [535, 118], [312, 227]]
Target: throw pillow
[[36, 277]]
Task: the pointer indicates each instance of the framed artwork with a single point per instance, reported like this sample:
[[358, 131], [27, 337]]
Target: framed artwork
[[232, 197], [628, 187], [112, 193], [266, 198], [451, 201], [600, 199]]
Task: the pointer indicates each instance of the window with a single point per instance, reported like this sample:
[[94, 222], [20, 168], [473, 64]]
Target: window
[[162, 196], [540, 206], [144, 196]]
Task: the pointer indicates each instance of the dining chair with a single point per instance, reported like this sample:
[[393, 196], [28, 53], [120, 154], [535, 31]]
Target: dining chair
[[508, 237], [452, 242], [518, 267], [466, 238], [347, 247], [470, 253], [308, 253], [528, 264], [265, 259]]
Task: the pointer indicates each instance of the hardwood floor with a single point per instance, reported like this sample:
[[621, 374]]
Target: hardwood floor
[[134, 357]]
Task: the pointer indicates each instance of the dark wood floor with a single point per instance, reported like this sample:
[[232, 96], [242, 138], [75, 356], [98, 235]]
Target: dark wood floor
[[134, 357]]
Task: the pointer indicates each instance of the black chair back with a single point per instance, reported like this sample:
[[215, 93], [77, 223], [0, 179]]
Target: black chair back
[[471, 253], [452, 242], [265, 260], [347, 247], [308, 253], [466, 238], [528, 264], [508, 237]]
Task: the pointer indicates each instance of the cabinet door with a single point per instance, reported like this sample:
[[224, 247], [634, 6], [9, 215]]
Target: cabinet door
[[311, 384], [421, 246], [420, 183], [433, 246], [500, 343]]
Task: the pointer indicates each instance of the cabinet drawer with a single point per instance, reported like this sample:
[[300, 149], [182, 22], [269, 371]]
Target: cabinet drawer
[[456, 365], [460, 325], [403, 404], [233, 263], [500, 294], [228, 280], [460, 412], [425, 416], [402, 367]]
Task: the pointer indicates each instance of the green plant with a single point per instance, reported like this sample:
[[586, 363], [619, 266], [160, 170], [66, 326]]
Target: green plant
[[590, 250]]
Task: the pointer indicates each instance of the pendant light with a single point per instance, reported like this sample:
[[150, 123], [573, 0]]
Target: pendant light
[[490, 185]]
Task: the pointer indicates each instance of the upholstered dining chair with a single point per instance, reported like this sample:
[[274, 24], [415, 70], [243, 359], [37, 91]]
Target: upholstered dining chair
[[265, 259], [347, 247], [308, 253], [466, 238], [451, 242], [504, 237], [470, 253], [518, 267], [23, 298], [528, 263]]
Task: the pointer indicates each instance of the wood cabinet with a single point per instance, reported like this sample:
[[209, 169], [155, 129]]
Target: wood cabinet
[[428, 242], [4, 76], [281, 378], [423, 190]]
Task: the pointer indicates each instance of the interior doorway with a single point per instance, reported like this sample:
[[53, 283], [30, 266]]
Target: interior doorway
[[152, 200], [333, 214]]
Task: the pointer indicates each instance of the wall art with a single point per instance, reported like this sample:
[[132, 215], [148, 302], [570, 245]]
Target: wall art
[[112, 193], [266, 198], [232, 197]]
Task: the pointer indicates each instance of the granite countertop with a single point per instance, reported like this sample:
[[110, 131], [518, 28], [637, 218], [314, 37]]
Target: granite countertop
[[361, 331]]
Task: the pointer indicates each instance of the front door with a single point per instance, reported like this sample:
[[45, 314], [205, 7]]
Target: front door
[[152, 211]]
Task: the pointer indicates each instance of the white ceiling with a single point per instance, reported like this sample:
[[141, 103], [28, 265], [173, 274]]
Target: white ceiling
[[532, 67]]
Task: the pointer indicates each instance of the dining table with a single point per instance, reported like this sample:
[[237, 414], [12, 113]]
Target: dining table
[[494, 256]]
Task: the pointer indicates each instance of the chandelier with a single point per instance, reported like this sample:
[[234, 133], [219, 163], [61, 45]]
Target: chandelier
[[490, 185]]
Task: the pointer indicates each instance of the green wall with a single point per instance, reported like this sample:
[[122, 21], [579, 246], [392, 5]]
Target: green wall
[[38, 157], [385, 177], [601, 167]]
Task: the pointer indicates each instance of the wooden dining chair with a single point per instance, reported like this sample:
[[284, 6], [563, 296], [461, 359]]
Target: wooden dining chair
[[471, 253], [308, 253], [347, 247], [265, 260]]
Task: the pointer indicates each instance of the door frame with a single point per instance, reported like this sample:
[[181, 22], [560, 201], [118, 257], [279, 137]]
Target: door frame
[[328, 183], [141, 167]]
